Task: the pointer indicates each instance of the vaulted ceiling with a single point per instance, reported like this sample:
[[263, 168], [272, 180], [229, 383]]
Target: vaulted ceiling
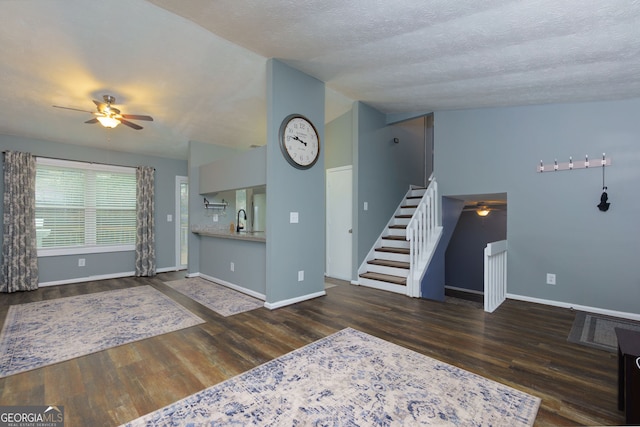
[[198, 66]]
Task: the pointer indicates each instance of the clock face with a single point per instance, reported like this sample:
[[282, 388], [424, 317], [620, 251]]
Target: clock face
[[299, 141]]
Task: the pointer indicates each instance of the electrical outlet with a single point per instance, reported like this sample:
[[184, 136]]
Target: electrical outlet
[[81, 262], [233, 267], [551, 279], [300, 275], [215, 217]]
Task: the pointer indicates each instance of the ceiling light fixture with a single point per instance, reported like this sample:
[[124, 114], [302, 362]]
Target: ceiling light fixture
[[108, 122], [482, 211]]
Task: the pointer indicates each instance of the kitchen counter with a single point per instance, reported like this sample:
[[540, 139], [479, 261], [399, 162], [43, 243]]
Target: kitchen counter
[[252, 236]]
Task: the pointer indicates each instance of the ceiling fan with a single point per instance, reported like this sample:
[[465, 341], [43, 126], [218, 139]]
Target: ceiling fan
[[483, 208], [109, 116]]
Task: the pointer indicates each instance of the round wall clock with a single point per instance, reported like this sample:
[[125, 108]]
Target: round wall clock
[[299, 141]]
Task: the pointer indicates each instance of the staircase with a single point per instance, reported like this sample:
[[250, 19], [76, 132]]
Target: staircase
[[400, 256]]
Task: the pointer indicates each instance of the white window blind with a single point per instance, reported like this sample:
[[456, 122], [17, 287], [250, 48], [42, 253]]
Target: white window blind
[[84, 207]]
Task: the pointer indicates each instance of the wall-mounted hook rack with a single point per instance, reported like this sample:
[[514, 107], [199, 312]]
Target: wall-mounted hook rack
[[574, 164]]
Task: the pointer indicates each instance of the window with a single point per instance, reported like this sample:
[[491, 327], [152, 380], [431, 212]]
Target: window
[[84, 207]]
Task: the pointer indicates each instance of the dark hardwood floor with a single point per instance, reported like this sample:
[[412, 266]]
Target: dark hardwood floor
[[523, 345]]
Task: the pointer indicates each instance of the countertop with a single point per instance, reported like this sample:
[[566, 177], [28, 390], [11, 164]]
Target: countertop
[[252, 236]]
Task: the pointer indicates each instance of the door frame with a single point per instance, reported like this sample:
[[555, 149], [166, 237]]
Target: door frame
[[327, 228], [179, 181]]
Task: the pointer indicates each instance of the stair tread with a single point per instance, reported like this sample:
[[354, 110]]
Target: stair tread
[[400, 226], [396, 280], [387, 263], [392, 237], [393, 250]]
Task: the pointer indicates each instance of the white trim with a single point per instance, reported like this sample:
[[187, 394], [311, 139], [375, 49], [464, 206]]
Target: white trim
[[101, 277], [283, 303], [624, 315], [471, 291], [82, 250], [233, 286], [176, 218], [88, 279]]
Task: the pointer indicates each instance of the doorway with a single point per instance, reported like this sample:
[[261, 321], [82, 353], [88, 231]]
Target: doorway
[[339, 222], [182, 222]]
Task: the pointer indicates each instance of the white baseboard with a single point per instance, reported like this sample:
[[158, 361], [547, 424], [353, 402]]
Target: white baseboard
[[232, 286], [88, 279], [622, 314], [101, 277], [283, 303], [470, 291]]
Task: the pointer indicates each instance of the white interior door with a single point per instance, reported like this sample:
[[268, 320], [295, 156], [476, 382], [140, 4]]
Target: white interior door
[[339, 222]]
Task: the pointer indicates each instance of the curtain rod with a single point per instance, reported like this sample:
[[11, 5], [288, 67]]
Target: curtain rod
[[82, 161]]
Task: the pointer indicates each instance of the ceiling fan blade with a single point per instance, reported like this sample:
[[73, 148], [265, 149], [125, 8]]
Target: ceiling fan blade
[[130, 124], [92, 121], [99, 104], [137, 117], [74, 109]]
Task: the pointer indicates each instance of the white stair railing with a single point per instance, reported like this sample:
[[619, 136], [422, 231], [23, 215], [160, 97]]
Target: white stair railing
[[423, 233], [495, 275]]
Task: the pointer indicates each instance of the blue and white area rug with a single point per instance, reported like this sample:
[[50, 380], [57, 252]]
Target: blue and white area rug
[[351, 379], [42, 333], [222, 300]]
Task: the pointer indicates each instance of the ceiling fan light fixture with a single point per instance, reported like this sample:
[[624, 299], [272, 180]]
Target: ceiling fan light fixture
[[108, 122], [482, 211]]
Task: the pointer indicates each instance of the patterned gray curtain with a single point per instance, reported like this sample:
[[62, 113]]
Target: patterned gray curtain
[[19, 245], [145, 225]]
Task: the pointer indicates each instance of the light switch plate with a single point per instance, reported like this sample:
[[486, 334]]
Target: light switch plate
[[366, 206], [169, 218], [293, 217], [300, 275]]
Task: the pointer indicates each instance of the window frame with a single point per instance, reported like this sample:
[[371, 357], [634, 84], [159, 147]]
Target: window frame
[[85, 249]]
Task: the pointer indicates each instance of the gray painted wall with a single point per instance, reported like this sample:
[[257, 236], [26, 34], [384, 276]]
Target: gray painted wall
[[413, 150], [381, 174], [249, 259], [245, 169], [293, 247], [464, 258], [65, 268], [339, 142], [553, 225], [433, 282], [200, 154]]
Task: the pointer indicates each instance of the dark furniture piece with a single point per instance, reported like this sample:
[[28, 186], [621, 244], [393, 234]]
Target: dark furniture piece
[[629, 374]]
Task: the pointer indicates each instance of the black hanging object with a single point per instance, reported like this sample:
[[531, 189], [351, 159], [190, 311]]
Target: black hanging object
[[603, 205]]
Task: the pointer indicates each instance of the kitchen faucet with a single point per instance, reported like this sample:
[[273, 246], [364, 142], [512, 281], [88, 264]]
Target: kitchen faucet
[[238, 226]]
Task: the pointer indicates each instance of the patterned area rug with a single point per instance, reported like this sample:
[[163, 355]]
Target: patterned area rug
[[351, 379], [598, 331], [222, 300], [42, 333]]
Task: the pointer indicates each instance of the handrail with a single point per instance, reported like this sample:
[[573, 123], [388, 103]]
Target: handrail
[[422, 233]]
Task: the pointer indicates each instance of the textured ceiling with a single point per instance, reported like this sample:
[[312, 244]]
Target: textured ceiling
[[198, 66]]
